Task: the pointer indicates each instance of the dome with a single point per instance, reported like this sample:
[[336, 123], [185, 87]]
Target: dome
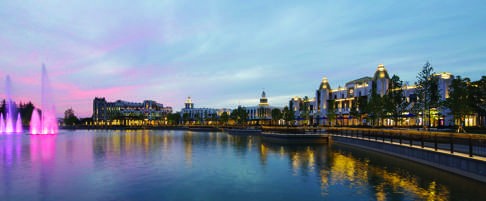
[[381, 73], [188, 100], [324, 84]]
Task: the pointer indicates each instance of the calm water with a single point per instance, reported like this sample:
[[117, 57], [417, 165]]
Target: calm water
[[184, 165]]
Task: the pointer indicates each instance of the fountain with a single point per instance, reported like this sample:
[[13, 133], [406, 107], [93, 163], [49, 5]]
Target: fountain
[[10, 124], [44, 121]]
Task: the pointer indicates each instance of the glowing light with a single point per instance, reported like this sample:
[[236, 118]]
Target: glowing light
[[9, 124], [46, 123]]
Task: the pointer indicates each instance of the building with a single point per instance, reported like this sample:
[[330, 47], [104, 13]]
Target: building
[[304, 109], [127, 113], [191, 115], [260, 114], [346, 97]]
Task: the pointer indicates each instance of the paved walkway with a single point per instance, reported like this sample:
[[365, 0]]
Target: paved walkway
[[459, 150]]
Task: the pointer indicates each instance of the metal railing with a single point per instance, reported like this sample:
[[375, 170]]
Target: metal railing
[[294, 130], [468, 144]]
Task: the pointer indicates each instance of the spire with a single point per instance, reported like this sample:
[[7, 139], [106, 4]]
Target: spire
[[263, 99]]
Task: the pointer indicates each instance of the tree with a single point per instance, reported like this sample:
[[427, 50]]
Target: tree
[[354, 113], [331, 111], [214, 118], [3, 106], [375, 106], [224, 118], [395, 103], [174, 118], [276, 114], [70, 118], [362, 107], [458, 99], [26, 112], [288, 115], [477, 98], [304, 110], [427, 92], [185, 118], [198, 118], [240, 115]]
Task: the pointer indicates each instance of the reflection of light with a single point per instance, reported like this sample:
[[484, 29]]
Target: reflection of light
[[10, 148], [42, 147], [346, 168], [310, 156], [380, 193], [188, 148], [295, 162]]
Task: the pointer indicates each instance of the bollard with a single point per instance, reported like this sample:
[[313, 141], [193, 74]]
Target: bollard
[[435, 142], [422, 140], [470, 147], [410, 138], [452, 144]]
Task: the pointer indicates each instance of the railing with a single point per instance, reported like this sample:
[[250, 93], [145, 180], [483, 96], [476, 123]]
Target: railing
[[468, 144], [294, 130]]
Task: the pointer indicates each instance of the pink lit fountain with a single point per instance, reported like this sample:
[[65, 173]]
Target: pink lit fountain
[[10, 124], [44, 120]]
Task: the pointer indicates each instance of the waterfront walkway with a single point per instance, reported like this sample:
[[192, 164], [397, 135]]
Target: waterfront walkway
[[460, 150], [470, 145]]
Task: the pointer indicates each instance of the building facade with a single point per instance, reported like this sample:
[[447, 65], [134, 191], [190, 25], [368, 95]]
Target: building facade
[[127, 113], [260, 114], [304, 110], [191, 115], [344, 98]]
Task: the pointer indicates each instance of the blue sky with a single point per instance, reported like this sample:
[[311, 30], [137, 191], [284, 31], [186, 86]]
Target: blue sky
[[223, 53]]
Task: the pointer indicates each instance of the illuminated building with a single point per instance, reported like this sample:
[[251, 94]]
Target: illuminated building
[[129, 113], [345, 97], [262, 113], [304, 109], [201, 115]]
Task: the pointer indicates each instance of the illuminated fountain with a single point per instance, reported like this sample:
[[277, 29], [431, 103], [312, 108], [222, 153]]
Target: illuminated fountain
[[44, 120], [12, 123]]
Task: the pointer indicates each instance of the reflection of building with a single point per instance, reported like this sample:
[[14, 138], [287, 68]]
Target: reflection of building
[[261, 114], [344, 98], [128, 113], [191, 114]]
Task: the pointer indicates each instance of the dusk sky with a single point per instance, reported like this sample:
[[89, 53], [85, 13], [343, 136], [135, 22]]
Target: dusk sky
[[223, 53]]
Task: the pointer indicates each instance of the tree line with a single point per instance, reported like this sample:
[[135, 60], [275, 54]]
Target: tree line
[[25, 110]]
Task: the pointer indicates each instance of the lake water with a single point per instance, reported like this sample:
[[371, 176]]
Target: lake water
[[185, 165]]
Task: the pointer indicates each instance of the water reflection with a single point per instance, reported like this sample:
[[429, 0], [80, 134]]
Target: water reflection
[[166, 164], [339, 166], [334, 167]]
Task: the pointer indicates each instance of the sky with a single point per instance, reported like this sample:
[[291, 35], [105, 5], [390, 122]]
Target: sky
[[224, 53]]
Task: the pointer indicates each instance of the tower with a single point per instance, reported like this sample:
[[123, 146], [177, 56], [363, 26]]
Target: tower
[[189, 104], [382, 79], [322, 95], [263, 100]]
